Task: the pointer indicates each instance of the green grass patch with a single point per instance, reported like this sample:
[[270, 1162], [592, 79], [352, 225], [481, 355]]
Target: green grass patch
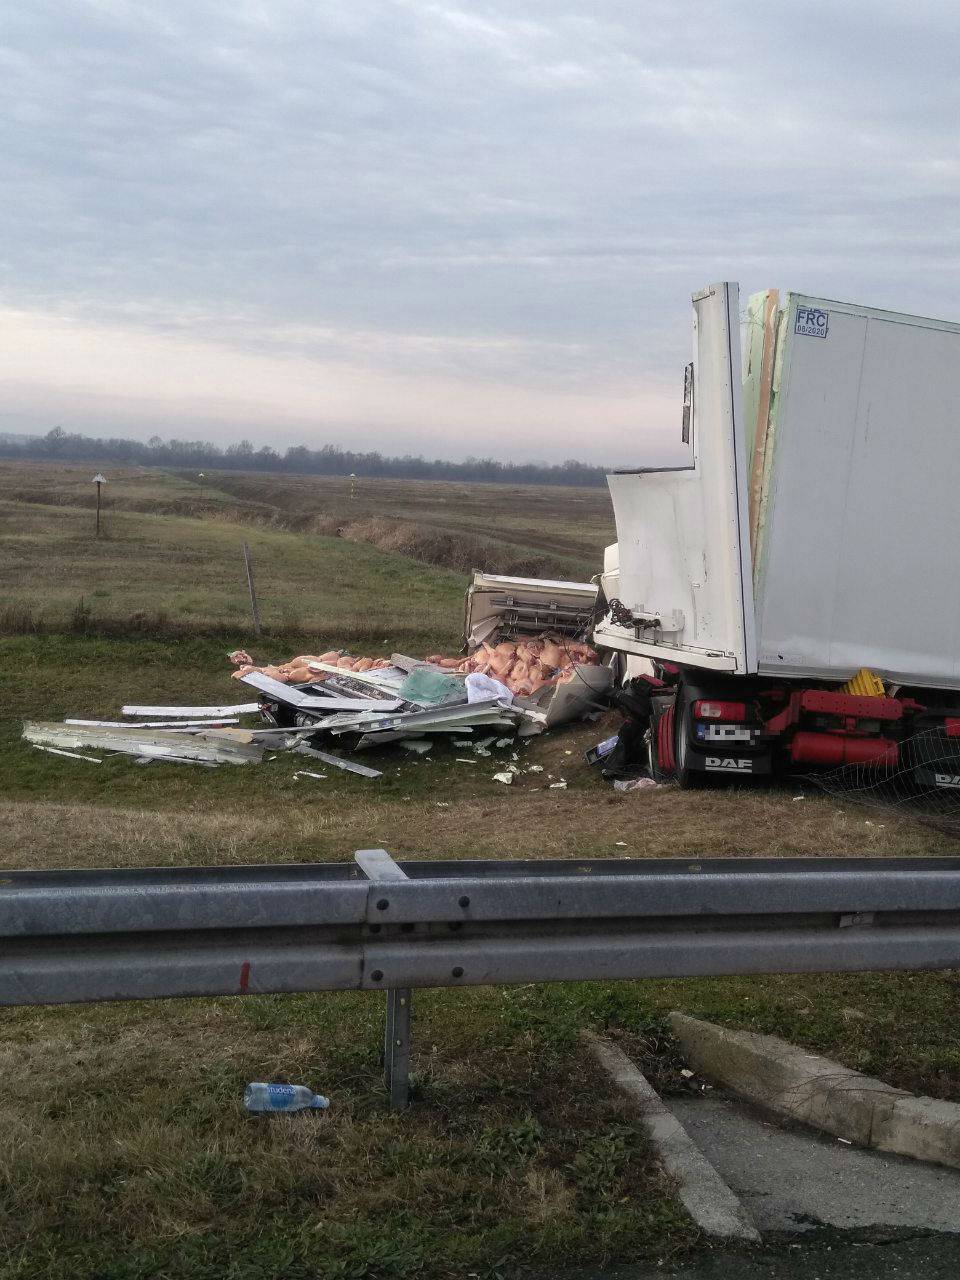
[[126, 1151]]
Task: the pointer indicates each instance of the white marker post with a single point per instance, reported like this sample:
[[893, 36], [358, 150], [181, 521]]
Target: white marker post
[[99, 480]]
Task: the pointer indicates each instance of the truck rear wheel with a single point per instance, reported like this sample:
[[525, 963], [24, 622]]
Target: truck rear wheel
[[660, 740], [687, 778]]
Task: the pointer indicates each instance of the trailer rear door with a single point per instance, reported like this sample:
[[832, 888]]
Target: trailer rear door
[[684, 545]]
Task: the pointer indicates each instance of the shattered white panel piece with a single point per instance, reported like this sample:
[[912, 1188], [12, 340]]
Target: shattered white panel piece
[[132, 740], [156, 724], [238, 709], [386, 679], [74, 755], [338, 762], [295, 697], [204, 764]]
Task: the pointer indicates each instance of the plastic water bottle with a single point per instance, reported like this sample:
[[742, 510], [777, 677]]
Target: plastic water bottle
[[282, 1097]]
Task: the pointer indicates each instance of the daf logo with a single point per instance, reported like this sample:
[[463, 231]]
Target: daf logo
[[721, 762], [947, 779]]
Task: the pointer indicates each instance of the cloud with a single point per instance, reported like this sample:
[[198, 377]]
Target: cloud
[[180, 385], [503, 203]]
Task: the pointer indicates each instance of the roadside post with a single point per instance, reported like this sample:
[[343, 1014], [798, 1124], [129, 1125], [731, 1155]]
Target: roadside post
[[254, 609], [99, 480], [380, 869]]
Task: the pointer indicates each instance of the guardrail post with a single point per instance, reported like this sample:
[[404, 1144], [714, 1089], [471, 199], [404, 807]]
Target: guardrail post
[[396, 1047], [379, 867]]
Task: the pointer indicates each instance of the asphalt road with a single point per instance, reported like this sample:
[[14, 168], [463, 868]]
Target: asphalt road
[[817, 1256], [790, 1179]]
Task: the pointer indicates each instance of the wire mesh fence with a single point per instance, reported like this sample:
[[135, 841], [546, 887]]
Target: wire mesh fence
[[925, 784]]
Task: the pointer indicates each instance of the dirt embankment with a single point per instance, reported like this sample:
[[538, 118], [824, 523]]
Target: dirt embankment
[[445, 548], [461, 551]]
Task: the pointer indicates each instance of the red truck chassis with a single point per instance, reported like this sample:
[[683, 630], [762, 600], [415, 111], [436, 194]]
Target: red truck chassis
[[754, 728]]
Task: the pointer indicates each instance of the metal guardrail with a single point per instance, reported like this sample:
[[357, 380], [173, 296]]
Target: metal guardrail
[[376, 924]]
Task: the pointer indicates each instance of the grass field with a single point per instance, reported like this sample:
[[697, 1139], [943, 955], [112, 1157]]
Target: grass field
[[189, 571], [531, 530], [534, 530], [124, 1151]]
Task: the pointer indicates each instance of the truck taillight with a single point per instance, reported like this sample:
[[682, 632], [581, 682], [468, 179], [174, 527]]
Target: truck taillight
[[719, 710]]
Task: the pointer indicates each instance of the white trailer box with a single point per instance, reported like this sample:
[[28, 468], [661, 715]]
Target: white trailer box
[[845, 475]]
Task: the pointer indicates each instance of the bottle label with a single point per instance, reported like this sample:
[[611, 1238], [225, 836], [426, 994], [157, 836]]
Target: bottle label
[[281, 1095]]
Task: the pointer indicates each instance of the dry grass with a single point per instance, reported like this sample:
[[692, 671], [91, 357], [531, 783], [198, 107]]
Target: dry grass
[[191, 572], [455, 550], [122, 1146], [528, 530], [504, 528], [310, 822]]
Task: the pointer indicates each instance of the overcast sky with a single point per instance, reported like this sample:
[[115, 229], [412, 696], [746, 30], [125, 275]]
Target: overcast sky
[[449, 228]]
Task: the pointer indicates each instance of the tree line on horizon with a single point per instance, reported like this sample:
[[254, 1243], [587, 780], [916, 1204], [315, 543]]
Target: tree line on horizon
[[330, 460]]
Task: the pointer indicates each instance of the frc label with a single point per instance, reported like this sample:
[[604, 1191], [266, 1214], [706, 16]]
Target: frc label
[[812, 322], [947, 780], [725, 764]]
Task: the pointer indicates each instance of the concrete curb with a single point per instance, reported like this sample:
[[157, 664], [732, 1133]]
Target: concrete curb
[[705, 1196], [803, 1086]]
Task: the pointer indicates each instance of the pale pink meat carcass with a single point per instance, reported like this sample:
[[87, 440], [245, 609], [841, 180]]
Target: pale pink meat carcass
[[538, 677], [501, 665], [298, 675], [552, 655], [519, 681], [530, 650]]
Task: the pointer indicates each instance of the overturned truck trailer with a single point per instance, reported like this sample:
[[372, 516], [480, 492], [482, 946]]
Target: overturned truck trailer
[[793, 579]]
